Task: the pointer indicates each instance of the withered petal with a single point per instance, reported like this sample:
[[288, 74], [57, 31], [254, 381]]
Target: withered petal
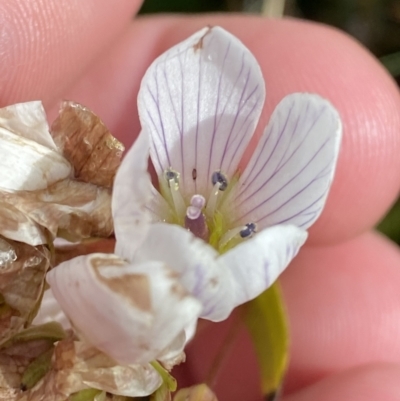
[[87, 144]]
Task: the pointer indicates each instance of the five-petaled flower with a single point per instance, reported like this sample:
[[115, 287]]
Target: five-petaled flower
[[225, 234], [199, 104]]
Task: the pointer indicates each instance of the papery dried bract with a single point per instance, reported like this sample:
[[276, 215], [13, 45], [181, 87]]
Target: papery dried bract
[[87, 144], [22, 281], [68, 208], [38, 195], [77, 366]]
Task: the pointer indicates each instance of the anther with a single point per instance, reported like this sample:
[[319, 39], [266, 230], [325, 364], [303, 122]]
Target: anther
[[172, 177], [218, 177], [249, 230]]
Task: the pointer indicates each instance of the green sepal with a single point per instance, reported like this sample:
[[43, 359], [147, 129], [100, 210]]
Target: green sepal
[[88, 394], [36, 370], [166, 377], [161, 394], [51, 331], [266, 320]]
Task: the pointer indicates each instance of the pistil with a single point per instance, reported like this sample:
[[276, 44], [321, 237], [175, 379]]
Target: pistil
[[195, 220]]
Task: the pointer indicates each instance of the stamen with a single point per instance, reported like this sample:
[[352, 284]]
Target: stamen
[[220, 178], [212, 200], [245, 231], [249, 230], [172, 178], [220, 183], [229, 235]]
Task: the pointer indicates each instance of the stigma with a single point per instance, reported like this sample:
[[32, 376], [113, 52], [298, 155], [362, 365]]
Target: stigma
[[195, 220]]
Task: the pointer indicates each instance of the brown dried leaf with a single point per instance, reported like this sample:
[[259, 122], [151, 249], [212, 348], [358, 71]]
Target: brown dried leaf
[[17, 226], [87, 144], [77, 366], [22, 280], [69, 209]]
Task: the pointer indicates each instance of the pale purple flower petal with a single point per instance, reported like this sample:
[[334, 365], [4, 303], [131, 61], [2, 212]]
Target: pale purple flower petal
[[289, 175], [197, 266], [50, 311], [131, 312], [200, 102], [256, 263], [131, 194]]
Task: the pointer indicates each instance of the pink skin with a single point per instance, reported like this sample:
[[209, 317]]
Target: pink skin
[[342, 299]]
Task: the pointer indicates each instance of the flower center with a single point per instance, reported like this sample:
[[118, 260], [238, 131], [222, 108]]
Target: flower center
[[202, 217]]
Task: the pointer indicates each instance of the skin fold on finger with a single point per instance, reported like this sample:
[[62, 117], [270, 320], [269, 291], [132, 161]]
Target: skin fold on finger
[[344, 311], [365, 383], [294, 56], [45, 45]]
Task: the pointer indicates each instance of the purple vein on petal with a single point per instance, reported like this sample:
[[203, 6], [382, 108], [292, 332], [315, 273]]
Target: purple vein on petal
[[158, 134], [198, 120], [287, 183], [182, 113], [230, 94], [245, 184], [179, 127], [228, 139], [301, 212], [155, 99], [262, 185], [239, 109], [217, 106], [242, 137], [279, 166], [243, 131]]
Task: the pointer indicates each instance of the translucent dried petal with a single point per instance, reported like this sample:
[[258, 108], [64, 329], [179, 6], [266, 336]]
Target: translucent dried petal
[[17, 226], [87, 144], [70, 209], [27, 165], [29, 121], [77, 366], [21, 287]]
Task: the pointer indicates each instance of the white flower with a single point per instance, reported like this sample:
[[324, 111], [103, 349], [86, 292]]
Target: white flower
[[216, 233], [199, 104], [133, 313]]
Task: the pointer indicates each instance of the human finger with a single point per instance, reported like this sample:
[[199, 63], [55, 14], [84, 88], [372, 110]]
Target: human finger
[[379, 381], [294, 56], [46, 45], [344, 311]]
